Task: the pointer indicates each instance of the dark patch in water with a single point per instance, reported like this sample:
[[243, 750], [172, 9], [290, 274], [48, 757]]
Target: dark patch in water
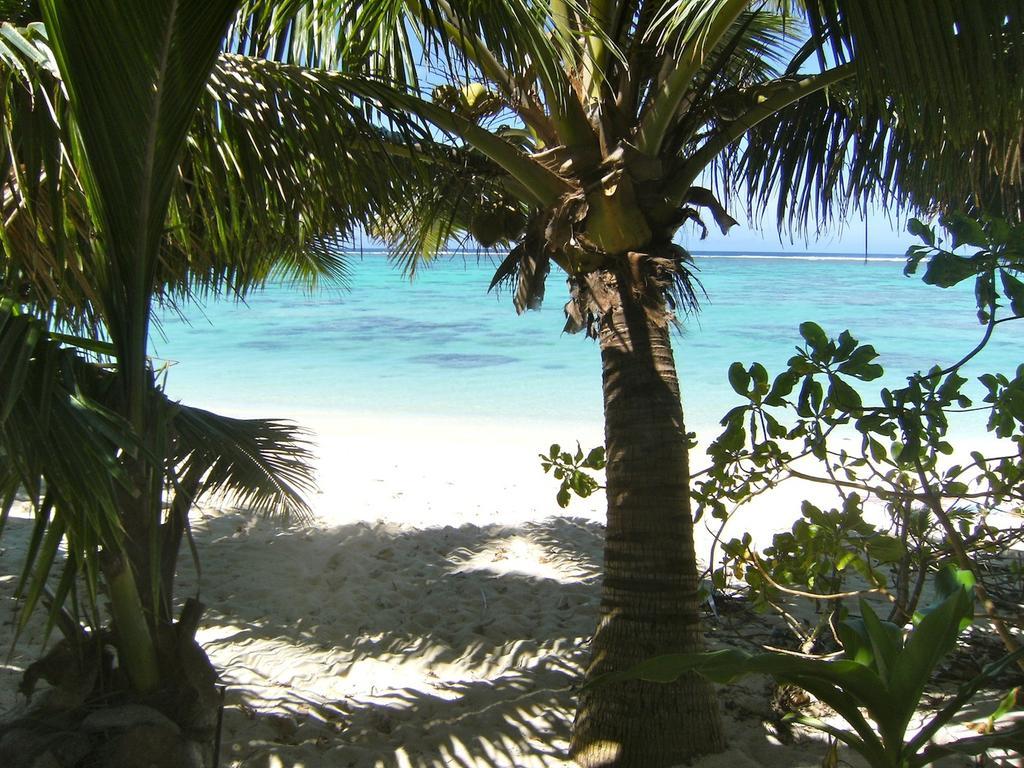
[[265, 346], [370, 328], [456, 360]]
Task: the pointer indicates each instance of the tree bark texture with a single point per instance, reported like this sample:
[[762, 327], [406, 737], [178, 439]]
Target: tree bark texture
[[649, 603]]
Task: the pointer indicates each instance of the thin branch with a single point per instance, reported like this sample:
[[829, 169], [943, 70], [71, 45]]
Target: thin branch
[[812, 595], [965, 561]]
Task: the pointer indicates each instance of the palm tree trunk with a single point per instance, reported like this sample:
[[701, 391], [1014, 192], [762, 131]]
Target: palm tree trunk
[[136, 648], [649, 603]]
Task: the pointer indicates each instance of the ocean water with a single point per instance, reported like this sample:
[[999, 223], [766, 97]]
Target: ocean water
[[442, 345]]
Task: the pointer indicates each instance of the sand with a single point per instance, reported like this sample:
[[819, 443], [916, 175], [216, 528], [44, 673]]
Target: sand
[[435, 613]]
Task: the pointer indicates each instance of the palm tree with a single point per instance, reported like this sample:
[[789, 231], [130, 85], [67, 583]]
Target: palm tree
[[592, 130], [132, 173]]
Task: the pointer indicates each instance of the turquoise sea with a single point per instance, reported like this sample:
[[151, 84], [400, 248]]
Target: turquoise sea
[[442, 345]]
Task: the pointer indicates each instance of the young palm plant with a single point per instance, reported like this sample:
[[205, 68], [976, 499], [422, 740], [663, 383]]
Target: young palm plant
[[593, 130], [136, 167]]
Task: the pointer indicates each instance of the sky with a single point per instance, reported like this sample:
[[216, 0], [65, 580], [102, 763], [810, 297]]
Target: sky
[[885, 235]]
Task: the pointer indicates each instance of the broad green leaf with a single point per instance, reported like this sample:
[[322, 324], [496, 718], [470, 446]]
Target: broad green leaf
[[739, 379], [563, 496], [886, 641], [1014, 290], [853, 635], [919, 229], [994, 671], [860, 364], [951, 580], [965, 230], [815, 337], [878, 452], [931, 640], [595, 459], [946, 270], [846, 344], [886, 549], [781, 388], [854, 683], [843, 395], [759, 375]]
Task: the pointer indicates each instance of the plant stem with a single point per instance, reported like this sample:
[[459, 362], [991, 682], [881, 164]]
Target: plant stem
[[956, 542], [135, 644]]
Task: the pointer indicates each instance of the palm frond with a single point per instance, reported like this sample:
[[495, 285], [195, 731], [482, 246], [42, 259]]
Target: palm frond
[[810, 163], [944, 67], [373, 37], [268, 187], [746, 64], [133, 76], [263, 190], [60, 444], [263, 464], [46, 237]]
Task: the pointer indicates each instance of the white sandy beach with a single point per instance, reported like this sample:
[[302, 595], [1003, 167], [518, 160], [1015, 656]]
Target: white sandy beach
[[436, 613]]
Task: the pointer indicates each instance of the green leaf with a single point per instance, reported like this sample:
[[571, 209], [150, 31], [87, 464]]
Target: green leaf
[[853, 635], [860, 365], [781, 388], [846, 344], [563, 496], [1006, 705], [878, 452], [931, 640], [965, 230], [886, 641], [86, 344], [843, 684], [1014, 289], [915, 255], [990, 672], [919, 229], [946, 270], [886, 549], [739, 379], [955, 488], [595, 459], [951, 580], [843, 395], [760, 377], [814, 336]]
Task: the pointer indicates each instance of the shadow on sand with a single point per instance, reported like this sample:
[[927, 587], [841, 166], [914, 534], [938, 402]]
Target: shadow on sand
[[370, 645], [374, 645]]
